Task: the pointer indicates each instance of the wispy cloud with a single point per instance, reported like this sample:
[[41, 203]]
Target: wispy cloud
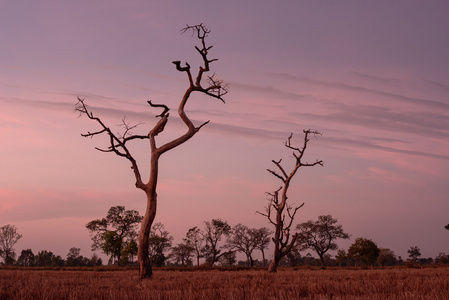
[[438, 85], [386, 119], [276, 93], [348, 87], [377, 79], [368, 143]]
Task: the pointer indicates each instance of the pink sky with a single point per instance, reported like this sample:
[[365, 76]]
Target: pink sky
[[372, 76]]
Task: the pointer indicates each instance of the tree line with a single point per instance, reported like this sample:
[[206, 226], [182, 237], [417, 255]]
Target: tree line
[[215, 243], [9, 237]]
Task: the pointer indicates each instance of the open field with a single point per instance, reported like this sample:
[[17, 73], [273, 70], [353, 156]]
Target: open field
[[394, 283]]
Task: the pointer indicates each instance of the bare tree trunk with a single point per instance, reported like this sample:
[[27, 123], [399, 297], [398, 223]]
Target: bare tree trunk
[[249, 261], [273, 267], [323, 266], [263, 257], [143, 258]]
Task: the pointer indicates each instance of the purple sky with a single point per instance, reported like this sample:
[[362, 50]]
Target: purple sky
[[372, 76]]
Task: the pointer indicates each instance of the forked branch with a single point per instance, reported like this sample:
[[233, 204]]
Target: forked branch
[[117, 143]]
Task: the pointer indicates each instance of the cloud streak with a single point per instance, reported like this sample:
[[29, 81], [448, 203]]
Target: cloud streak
[[353, 88]]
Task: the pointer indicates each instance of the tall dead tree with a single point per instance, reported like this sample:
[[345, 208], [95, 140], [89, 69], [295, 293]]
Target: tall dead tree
[[118, 143], [278, 211]]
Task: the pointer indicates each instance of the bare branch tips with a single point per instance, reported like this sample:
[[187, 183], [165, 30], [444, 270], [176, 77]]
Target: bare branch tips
[[166, 109]]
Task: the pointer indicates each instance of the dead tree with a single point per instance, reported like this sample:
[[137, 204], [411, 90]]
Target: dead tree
[[278, 211], [118, 143]]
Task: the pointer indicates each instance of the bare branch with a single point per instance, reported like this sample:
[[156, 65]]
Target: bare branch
[[277, 175], [159, 127], [199, 127], [288, 144], [117, 144], [91, 134], [102, 150], [166, 109], [216, 88], [278, 164], [292, 215]]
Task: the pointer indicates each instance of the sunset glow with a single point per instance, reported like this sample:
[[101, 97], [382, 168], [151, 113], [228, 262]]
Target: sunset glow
[[372, 77]]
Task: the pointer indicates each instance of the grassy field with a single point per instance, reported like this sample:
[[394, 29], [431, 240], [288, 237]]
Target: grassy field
[[394, 283]]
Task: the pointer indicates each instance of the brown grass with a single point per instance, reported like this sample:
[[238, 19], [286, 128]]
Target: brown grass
[[394, 283]]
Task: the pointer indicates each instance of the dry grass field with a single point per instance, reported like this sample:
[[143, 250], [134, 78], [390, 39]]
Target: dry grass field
[[394, 283]]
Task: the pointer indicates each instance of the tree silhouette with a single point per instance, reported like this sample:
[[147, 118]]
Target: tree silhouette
[[284, 214], [8, 238], [160, 242], [181, 253], [365, 250], [414, 253], [113, 233], [194, 239], [26, 258], [213, 233], [320, 235], [119, 143], [262, 237], [243, 239]]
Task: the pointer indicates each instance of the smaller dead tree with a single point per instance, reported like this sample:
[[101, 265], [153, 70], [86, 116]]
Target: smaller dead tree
[[278, 211]]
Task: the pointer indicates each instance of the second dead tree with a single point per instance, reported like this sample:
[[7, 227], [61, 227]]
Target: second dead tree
[[278, 211]]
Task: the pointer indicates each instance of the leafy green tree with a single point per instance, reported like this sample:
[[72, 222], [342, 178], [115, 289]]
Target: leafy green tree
[[364, 250], [195, 240], [320, 235], [160, 242], [113, 246], [8, 238], [386, 257], [26, 258], [114, 232], [414, 253], [213, 232], [129, 252]]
